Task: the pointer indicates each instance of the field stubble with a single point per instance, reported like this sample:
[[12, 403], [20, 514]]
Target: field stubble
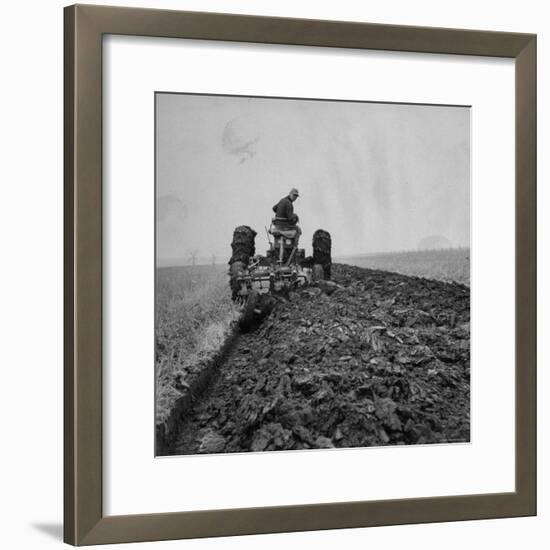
[[448, 265], [194, 315]]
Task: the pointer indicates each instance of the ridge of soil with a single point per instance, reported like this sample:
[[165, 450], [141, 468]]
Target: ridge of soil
[[376, 359]]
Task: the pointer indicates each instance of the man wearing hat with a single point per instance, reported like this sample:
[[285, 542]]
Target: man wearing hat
[[285, 218]]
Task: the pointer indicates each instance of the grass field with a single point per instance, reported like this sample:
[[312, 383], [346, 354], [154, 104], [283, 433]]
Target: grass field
[[193, 316], [444, 265]]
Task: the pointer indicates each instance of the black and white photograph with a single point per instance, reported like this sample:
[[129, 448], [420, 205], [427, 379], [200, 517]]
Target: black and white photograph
[[276, 274], [312, 275]]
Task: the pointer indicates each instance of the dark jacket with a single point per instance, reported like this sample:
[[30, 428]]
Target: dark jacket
[[285, 210]]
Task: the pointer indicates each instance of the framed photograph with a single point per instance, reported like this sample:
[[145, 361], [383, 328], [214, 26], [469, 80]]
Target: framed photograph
[[300, 274]]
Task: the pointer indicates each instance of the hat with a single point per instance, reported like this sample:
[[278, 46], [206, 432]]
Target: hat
[[294, 191]]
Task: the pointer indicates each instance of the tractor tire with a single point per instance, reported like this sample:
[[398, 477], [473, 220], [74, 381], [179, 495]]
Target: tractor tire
[[243, 249], [248, 315], [242, 245], [322, 246], [234, 270], [317, 273]]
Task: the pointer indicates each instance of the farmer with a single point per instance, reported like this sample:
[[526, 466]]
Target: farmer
[[285, 218]]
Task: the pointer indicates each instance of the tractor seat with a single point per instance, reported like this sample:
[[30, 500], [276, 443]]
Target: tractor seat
[[280, 228], [287, 233]]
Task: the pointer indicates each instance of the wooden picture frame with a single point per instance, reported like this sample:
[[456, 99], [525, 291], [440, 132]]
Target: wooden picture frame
[[85, 25]]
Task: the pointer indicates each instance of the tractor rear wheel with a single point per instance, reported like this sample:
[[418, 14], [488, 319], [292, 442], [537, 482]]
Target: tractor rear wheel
[[235, 269], [243, 248], [317, 273], [242, 245], [322, 245]]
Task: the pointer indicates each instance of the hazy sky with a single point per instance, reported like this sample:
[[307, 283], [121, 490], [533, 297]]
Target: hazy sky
[[378, 177]]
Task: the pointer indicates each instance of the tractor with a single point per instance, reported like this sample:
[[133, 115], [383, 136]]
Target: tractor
[[254, 278]]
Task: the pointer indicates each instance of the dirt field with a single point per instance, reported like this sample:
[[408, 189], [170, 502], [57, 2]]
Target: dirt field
[[442, 265], [379, 359]]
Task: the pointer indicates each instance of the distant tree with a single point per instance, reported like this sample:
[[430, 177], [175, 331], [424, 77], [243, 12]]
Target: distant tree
[[193, 253], [434, 242], [213, 259]]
